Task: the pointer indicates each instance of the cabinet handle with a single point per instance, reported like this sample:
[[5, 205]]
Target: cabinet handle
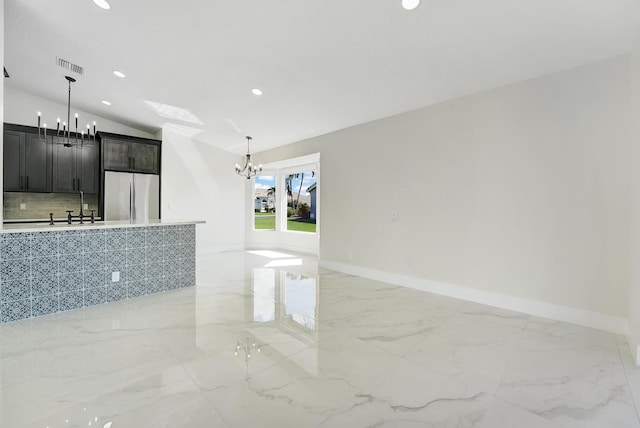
[[74, 184], [134, 162]]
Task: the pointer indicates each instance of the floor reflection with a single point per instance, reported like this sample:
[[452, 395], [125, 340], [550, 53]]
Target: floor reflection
[[283, 310], [261, 345]]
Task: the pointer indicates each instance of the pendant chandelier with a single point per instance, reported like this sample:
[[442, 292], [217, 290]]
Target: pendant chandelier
[[67, 139], [248, 170]]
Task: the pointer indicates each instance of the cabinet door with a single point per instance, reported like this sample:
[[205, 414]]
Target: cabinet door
[[88, 168], [145, 157], [116, 154], [64, 165], [13, 161], [37, 170]]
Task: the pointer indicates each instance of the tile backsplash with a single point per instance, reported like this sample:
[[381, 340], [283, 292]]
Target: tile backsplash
[[37, 206]]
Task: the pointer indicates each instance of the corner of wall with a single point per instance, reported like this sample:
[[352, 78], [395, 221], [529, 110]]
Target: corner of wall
[[198, 182], [634, 292], [1, 97]]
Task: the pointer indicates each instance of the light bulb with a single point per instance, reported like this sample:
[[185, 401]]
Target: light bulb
[[102, 4], [410, 4]]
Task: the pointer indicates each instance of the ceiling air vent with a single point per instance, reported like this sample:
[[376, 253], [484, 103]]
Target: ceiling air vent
[[69, 66], [6, 74]]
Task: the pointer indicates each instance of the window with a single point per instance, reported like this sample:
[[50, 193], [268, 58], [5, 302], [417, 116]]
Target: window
[[265, 202], [285, 198], [300, 188]]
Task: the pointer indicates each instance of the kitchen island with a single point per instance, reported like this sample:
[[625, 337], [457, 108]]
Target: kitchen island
[[46, 269]]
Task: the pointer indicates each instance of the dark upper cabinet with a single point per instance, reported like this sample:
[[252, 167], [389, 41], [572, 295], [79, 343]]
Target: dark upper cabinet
[[145, 157], [37, 165], [116, 154], [32, 164], [12, 173], [89, 167], [75, 168], [64, 160], [26, 162], [130, 154]]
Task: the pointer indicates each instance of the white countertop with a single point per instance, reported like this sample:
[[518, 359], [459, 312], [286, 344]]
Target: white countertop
[[46, 227]]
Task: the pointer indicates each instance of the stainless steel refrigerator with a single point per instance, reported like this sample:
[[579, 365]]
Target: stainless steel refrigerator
[[129, 196]]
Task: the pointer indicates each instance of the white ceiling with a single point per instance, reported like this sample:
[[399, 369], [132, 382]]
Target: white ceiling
[[323, 65]]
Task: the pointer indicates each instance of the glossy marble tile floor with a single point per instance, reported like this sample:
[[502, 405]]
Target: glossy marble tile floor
[[269, 340]]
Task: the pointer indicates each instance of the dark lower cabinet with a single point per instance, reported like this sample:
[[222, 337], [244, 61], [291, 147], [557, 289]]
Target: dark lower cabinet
[[26, 162], [75, 168]]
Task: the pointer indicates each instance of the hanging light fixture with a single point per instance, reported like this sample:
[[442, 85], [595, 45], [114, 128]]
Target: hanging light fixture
[[66, 139], [248, 170]]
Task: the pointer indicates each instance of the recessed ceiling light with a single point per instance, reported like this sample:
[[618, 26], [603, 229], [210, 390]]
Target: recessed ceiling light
[[256, 91], [408, 4], [105, 102], [103, 4], [118, 73]]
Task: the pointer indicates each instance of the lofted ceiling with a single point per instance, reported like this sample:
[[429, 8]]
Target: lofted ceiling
[[322, 65]]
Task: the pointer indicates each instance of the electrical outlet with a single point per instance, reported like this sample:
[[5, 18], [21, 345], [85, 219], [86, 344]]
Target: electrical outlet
[[350, 255], [85, 207], [23, 206], [115, 276]]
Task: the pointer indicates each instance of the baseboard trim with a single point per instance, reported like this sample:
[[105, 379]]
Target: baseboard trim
[[215, 250], [298, 250], [552, 311]]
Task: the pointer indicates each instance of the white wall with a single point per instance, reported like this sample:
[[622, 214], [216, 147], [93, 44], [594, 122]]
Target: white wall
[[199, 183], [517, 197], [634, 297], [21, 107]]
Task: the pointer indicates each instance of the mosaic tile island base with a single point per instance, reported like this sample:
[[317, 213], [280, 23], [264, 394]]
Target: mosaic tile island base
[[44, 269]]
